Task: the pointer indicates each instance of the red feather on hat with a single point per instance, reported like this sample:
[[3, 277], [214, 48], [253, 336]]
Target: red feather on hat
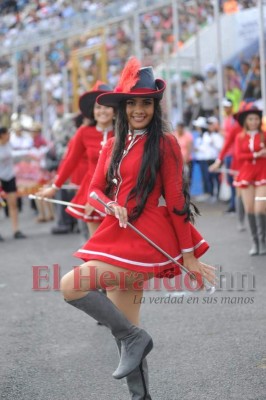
[[96, 85], [129, 76]]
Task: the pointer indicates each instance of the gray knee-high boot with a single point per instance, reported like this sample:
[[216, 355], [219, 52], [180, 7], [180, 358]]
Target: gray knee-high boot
[[138, 380], [136, 343], [261, 227], [254, 235], [240, 214]]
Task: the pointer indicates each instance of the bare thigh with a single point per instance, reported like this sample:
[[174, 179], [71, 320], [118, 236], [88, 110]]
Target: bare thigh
[[94, 275], [124, 287], [92, 227], [260, 206], [12, 200], [238, 192], [248, 197]]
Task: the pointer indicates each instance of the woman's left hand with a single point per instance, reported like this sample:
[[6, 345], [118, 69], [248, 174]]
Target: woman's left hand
[[207, 272]]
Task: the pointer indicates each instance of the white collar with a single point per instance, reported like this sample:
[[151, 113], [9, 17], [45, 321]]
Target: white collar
[[136, 132], [252, 133], [108, 128]]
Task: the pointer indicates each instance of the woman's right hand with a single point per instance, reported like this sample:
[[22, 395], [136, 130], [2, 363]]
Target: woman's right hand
[[261, 153], [48, 192], [120, 213], [213, 167]]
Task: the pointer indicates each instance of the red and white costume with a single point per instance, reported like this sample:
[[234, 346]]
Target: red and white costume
[[88, 141], [253, 169], [122, 246], [81, 169], [231, 130]]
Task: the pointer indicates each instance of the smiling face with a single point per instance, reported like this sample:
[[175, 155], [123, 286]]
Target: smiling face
[[252, 122], [103, 115], [139, 112]]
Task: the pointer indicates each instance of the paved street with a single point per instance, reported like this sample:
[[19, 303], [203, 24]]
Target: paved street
[[205, 347]]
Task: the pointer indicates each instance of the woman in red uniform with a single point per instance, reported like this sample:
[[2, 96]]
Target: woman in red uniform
[[89, 141], [250, 150], [65, 223], [227, 155], [135, 169]]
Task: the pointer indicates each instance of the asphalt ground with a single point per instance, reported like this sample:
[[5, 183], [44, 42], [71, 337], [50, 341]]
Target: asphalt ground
[[205, 347]]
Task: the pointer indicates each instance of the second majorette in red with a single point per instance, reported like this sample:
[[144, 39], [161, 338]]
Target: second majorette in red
[[88, 140], [136, 169], [250, 150]]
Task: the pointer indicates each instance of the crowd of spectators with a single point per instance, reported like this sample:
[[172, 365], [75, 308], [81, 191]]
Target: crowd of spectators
[[242, 82], [22, 17], [198, 132], [156, 29]]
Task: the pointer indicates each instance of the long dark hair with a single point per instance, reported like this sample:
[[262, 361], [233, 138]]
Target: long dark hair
[[150, 165], [90, 115]]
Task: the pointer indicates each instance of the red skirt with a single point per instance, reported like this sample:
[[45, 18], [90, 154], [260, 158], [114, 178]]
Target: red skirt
[[251, 173], [81, 198], [123, 247], [235, 164]]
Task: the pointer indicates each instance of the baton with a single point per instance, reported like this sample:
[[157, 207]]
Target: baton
[[227, 170], [63, 203], [209, 287], [260, 198], [70, 186]]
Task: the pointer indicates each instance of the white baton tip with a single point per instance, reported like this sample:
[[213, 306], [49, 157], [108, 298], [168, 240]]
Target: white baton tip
[[94, 195], [210, 290], [31, 196]]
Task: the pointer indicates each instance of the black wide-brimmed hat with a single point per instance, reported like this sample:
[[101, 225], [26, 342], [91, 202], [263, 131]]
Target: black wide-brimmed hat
[[89, 98], [247, 108], [134, 82]]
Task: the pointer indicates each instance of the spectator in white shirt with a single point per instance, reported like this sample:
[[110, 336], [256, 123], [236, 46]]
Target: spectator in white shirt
[[207, 146], [8, 181], [193, 94], [19, 140], [214, 143], [210, 91]]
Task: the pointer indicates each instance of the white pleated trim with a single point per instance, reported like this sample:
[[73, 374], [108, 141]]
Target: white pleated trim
[[83, 215], [193, 248], [88, 218], [247, 183], [125, 260]]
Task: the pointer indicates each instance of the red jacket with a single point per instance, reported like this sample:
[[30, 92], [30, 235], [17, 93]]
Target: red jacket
[[247, 145], [231, 130], [123, 247], [169, 181], [87, 142]]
